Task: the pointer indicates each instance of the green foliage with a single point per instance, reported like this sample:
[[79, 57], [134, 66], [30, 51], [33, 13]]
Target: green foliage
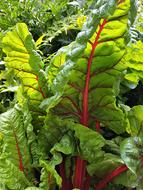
[[69, 68], [134, 63], [131, 153], [135, 117], [16, 138], [41, 17], [68, 119], [26, 64]]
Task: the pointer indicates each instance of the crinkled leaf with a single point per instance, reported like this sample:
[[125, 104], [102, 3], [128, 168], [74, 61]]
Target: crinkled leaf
[[11, 176], [134, 62], [51, 173], [90, 142], [17, 147], [65, 146], [51, 133], [132, 154]]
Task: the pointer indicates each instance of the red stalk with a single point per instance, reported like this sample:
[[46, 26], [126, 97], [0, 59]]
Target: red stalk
[[110, 176], [79, 173], [21, 167], [40, 89], [87, 82], [87, 182], [98, 129], [66, 182], [80, 169]]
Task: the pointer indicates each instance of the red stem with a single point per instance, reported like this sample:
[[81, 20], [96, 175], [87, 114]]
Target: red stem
[[97, 126], [79, 173], [87, 182], [87, 81], [62, 174], [40, 89], [21, 167], [80, 169], [66, 182], [110, 176]]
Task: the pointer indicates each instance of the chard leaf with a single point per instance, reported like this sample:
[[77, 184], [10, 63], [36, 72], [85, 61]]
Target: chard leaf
[[64, 146], [135, 117], [49, 172], [128, 179], [10, 175], [90, 143], [63, 136], [104, 165], [26, 63], [16, 139], [134, 62], [131, 153], [86, 74], [51, 133]]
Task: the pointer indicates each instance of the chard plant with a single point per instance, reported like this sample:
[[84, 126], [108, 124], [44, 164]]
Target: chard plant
[[68, 126]]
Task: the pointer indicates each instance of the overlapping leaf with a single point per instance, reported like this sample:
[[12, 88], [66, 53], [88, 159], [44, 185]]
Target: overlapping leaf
[[134, 61], [87, 72], [11, 177], [132, 154], [26, 63], [135, 117]]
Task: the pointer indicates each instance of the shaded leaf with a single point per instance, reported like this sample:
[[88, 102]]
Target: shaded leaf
[[131, 153]]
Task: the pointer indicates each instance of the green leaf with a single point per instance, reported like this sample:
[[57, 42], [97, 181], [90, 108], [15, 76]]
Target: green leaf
[[65, 146], [134, 62], [40, 40], [15, 155], [11, 176], [90, 142], [131, 153], [135, 117], [26, 63], [128, 179], [51, 133], [18, 148], [104, 165], [88, 93], [133, 10], [50, 172]]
